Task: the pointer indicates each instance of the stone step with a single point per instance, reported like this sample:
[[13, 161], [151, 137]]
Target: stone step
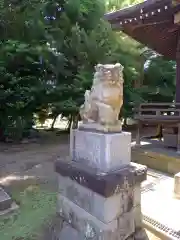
[[5, 200]]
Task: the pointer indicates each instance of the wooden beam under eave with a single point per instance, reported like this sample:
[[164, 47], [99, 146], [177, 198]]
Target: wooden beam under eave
[[132, 27], [117, 27], [154, 24]]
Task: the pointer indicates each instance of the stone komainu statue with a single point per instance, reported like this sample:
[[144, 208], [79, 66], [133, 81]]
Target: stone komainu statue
[[104, 101]]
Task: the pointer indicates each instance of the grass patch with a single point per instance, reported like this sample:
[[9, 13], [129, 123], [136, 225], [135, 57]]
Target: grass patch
[[37, 206]]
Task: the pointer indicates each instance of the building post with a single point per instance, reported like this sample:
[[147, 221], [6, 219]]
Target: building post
[[178, 86], [178, 71]]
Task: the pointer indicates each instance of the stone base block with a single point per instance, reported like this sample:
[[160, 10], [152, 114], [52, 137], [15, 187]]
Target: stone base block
[[104, 184], [5, 201], [99, 206], [106, 209], [137, 217], [69, 233], [104, 151], [89, 227], [141, 235], [136, 194], [177, 185]]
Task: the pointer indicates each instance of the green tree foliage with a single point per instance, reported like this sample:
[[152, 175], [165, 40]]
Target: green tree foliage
[[48, 50], [22, 87], [159, 80], [83, 41], [47, 58], [112, 5]]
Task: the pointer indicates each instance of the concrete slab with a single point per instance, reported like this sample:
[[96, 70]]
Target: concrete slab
[[153, 154], [159, 206]]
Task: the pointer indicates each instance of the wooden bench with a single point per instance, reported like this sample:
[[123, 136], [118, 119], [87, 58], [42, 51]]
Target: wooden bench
[[164, 114]]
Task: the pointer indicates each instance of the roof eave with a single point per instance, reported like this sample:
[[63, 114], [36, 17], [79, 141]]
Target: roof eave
[[133, 10]]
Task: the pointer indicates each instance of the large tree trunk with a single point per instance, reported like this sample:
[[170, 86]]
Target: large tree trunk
[[54, 120], [69, 123], [125, 122], [75, 121]]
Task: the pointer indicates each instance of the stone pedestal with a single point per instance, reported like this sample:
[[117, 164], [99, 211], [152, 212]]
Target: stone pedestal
[[99, 188], [5, 201], [99, 206], [103, 151]]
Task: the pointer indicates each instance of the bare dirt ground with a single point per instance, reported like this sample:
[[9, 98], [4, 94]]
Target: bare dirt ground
[[34, 158], [18, 162], [37, 157]]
